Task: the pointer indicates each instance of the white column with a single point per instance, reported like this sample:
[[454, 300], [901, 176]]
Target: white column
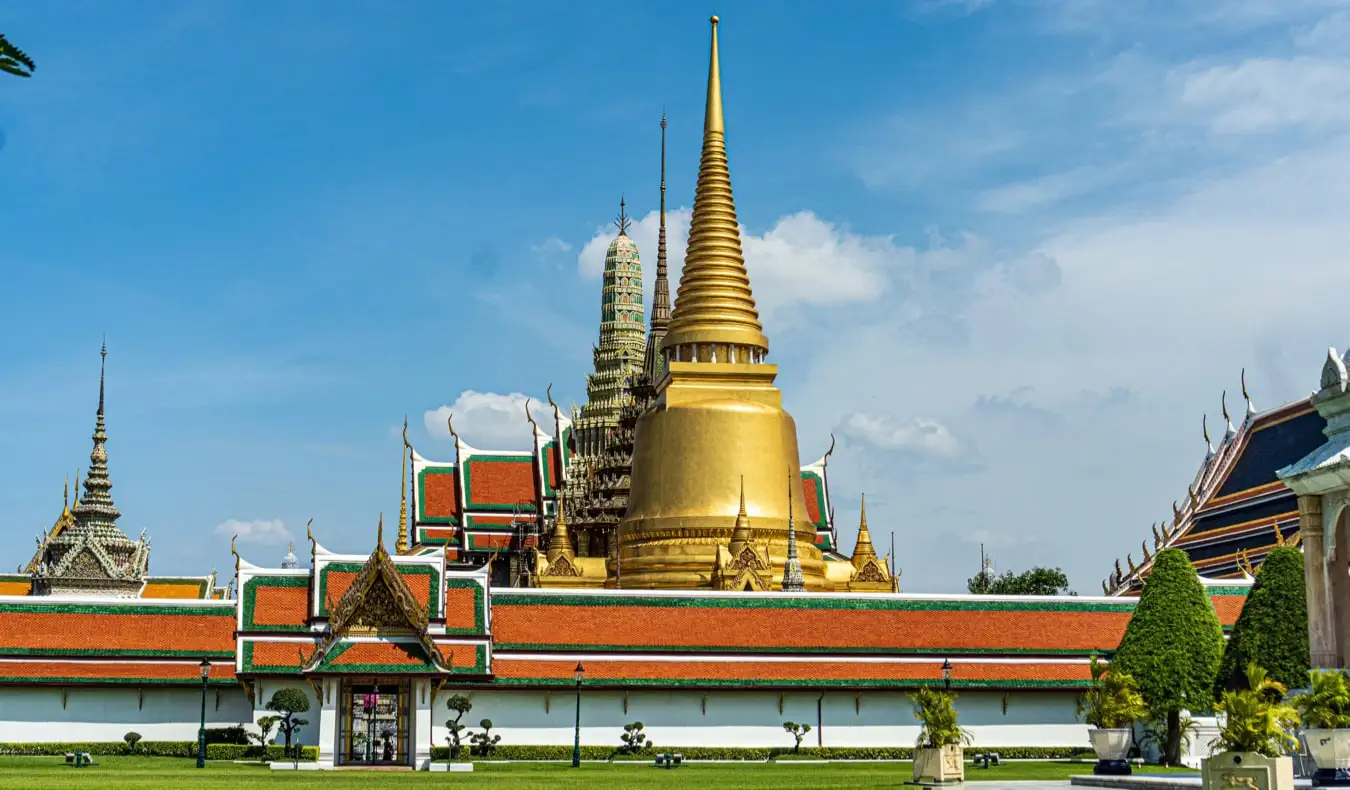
[[328, 722], [421, 730], [1321, 644]]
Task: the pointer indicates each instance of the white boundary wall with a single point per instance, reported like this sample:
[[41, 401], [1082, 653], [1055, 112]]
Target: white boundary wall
[[752, 718], [35, 714]]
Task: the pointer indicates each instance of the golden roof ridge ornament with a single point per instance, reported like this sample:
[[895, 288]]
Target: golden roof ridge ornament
[[1251, 409], [1229, 431], [1204, 428], [714, 303]]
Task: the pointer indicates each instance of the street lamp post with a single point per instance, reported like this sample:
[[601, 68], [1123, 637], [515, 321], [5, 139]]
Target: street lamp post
[[201, 731], [946, 674], [576, 741]]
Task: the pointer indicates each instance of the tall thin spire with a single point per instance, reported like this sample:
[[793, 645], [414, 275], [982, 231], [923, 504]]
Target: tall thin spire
[[654, 364], [714, 303], [792, 569], [740, 534], [401, 542], [560, 544], [622, 222], [96, 512]]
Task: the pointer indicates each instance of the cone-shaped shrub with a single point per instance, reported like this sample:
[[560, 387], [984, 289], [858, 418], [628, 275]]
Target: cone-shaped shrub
[[1272, 631]]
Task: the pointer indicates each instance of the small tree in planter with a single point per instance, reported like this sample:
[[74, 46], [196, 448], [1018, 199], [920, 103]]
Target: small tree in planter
[[289, 702], [798, 732], [1257, 731], [1112, 705], [938, 754], [132, 738], [1325, 711], [634, 740], [461, 705]]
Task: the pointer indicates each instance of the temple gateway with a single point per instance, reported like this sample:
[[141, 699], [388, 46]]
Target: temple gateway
[[665, 535]]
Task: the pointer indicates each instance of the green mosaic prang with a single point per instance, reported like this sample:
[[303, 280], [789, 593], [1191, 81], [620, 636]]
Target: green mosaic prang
[[355, 567], [561, 647], [507, 507], [812, 602], [479, 608], [248, 600], [130, 609], [422, 516], [789, 684]]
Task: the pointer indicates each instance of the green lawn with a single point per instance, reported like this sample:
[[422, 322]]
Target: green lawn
[[126, 773]]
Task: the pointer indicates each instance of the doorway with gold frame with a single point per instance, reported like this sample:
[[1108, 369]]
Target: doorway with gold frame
[[375, 722]]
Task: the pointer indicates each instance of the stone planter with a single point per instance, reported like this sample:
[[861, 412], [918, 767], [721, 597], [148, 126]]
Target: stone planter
[[946, 764], [1247, 771], [1330, 749], [1112, 747]]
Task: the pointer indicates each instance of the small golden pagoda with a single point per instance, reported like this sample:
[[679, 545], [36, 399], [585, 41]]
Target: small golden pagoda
[[717, 416], [865, 571]]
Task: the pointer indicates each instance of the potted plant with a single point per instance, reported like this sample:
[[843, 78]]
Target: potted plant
[[1257, 732], [938, 755], [1111, 706], [1325, 711]]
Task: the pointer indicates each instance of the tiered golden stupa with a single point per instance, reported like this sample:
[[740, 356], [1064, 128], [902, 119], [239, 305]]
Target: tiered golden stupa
[[718, 418], [715, 500]]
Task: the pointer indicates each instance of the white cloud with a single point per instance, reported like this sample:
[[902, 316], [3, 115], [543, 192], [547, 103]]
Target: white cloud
[[801, 260], [489, 420], [1265, 94], [885, 432], [264, 532], [551, 246], [1034, 193]]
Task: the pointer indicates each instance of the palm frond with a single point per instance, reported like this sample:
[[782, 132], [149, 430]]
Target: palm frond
[[13, 60]]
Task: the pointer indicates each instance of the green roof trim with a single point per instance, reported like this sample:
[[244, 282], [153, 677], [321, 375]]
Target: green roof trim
[[479, 607], [195, 610], [507, 507], [790, 684], [422, 516]]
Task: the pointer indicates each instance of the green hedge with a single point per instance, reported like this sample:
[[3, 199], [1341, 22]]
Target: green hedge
[[214, 751], [512, 752]]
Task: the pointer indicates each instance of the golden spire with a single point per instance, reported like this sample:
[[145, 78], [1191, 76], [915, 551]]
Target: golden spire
[[379, 532], [65, 499], [77, 487], [714, 303], [401, 542], [740, 535], [862, 549], [560, 544]]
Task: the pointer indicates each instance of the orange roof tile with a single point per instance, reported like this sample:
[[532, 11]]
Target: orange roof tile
[[173, 590], [284, 606], [500, 482], [186, 671], [688, 623], [812, 499], [461, 607], [440, 494], [791, 672], [388, 653], [80, 629]]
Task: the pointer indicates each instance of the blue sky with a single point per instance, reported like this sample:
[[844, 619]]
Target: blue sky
[[1009, 252]]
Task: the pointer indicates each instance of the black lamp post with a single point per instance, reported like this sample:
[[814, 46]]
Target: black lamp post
[[946, 674], [201, 731], [576, 741]]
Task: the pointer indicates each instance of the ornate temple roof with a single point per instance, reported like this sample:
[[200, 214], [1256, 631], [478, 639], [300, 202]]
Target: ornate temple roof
[[1236, 509]]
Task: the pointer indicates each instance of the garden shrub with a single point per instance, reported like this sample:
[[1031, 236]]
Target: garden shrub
[[1272, 630]]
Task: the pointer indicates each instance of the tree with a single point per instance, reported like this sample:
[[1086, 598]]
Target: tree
[[13, 60], [797, 731], [1172, 645], [484, 742], [1037, 581], [1272, 630], [461, 705], [265, 725], [132, 738], [634, 739], [289, 702]]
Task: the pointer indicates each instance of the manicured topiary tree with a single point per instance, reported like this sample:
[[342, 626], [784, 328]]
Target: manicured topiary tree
[[288, 702], [1272, 630], [1173, 645], [461, 705]]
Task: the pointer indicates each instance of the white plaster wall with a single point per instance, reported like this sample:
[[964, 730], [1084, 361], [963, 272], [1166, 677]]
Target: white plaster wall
[[263, 691], [35, 714], [752, 718]]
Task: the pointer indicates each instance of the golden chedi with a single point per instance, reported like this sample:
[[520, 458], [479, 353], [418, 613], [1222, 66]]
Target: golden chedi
[[717, 416]]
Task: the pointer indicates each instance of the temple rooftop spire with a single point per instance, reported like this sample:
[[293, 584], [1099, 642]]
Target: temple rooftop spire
[[714, 305]]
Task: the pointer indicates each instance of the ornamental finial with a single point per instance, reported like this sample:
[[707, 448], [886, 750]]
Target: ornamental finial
[[1251, 410], [622, 222]]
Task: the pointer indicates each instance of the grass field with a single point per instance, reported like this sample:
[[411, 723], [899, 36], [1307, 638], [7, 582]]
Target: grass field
[[126, 773]]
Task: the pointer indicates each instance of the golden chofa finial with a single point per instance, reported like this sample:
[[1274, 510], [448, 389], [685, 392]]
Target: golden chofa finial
[[379, 531], [714, 306], [401, 541], [235, 552], [309, 535]]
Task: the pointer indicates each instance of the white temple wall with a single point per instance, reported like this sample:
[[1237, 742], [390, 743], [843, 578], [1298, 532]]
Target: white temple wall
[[262, 693], [36, 714], [752, 718]]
